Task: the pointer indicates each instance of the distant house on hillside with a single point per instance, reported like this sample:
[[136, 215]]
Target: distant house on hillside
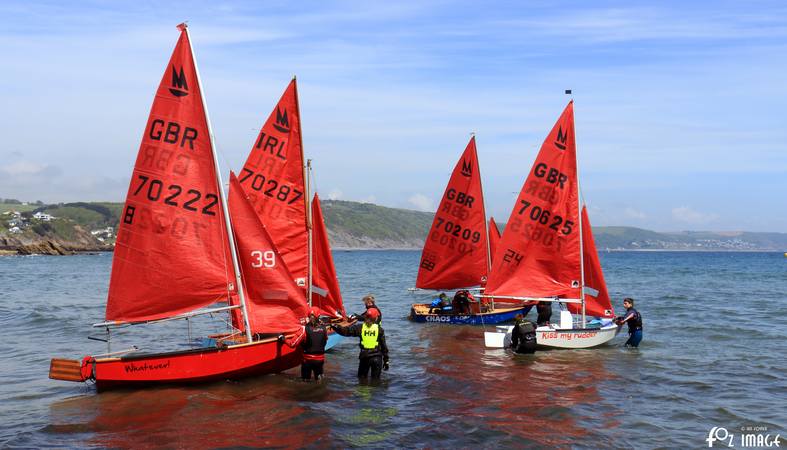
[[103, 234], [15, 230], [43, 216]]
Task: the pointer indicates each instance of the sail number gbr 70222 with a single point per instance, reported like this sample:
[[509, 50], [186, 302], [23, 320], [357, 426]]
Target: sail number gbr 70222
[[270, 187], [176, 196]]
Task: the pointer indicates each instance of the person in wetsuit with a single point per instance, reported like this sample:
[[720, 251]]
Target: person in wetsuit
[[313, 345], [634, 320], [374, 351], [461, 303], [544, 310], [368, 302], [523, 336], [438, 304]]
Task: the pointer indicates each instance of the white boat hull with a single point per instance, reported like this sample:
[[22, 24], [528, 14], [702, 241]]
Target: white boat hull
[[550, 337]]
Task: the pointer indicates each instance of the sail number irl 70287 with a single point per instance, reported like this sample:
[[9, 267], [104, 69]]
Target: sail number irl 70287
[[153, 190], [270, 187]]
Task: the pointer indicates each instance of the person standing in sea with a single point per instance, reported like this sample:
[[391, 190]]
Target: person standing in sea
[[374, 351], [634, 320], [313, 345], [368, 302]]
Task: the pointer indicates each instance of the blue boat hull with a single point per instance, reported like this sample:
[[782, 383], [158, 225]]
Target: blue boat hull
[[469, 319], [334, 339]]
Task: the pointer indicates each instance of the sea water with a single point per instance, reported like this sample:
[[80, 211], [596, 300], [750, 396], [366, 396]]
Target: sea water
[[713, 355]]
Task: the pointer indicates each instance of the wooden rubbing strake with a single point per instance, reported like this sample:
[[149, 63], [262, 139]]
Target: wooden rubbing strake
[[65, 369]]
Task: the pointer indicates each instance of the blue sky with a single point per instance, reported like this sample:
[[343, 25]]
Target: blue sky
[[679, 106]]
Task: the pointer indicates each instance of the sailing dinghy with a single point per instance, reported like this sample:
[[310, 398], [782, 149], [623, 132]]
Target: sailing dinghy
[[456, 253], [277, 178], [547, 252], [176, 255]]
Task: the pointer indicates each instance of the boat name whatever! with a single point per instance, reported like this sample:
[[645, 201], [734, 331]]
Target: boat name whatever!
[[131, 367]]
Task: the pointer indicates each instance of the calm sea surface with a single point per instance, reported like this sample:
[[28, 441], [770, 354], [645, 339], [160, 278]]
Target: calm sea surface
[[713, 355]]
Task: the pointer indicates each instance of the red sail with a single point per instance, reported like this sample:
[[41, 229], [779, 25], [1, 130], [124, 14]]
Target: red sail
[[274, 302], [538, 255], [494, 237], [597, 302], [172, 250], [325, 290], [455, 252], [273, 179]]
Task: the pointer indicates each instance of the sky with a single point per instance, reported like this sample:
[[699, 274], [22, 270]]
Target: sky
[[678, 105]]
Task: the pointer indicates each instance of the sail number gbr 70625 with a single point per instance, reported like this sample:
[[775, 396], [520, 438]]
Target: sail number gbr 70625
[[270, 187], [545, 217]]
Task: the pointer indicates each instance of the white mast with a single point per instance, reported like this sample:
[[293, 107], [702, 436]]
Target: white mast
[[483, 211], [309, 227], [579, 212], [307, 185], [222, 197]]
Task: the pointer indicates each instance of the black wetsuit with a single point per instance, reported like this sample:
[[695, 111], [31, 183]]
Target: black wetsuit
[[313, 351], [635, 327], [523, 337], [369, 359], [544, 310]]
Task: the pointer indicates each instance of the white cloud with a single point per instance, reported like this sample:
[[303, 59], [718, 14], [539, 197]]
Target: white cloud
[[335, 194], [687, 215], [421, 202], [632, 213], [21, 168]]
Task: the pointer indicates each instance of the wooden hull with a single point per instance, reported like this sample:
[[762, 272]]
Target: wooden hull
[[191, 366], [420, 313], [549, 338]]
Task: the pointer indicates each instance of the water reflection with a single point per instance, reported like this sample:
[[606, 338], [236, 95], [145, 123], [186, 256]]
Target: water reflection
[[543, 399], [259, 413]]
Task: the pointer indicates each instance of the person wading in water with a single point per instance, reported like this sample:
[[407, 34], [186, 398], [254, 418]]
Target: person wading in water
[[374, 351], [523, 336], [313, 345], [634, 320], [368, 302]]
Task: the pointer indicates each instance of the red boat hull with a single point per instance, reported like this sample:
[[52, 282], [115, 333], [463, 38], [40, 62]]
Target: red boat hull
[[192, 366]]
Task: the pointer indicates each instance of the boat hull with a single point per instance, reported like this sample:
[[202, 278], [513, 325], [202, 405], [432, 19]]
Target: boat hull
[[419, 313], [334, 339], [554, 338], [193, 366]]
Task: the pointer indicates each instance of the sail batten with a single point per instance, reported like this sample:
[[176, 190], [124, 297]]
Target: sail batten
[[172, 231], [455, 252]]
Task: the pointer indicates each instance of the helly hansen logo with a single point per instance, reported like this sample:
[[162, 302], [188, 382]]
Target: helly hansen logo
[[467, 168], [369, 333], [282, 121], [179, 86], [560, 142]]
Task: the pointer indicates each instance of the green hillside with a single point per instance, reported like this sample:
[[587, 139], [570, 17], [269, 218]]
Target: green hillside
[[374, 222], [366, 225]]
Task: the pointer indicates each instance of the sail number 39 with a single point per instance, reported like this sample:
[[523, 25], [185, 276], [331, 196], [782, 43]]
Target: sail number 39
[[263, 259]]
